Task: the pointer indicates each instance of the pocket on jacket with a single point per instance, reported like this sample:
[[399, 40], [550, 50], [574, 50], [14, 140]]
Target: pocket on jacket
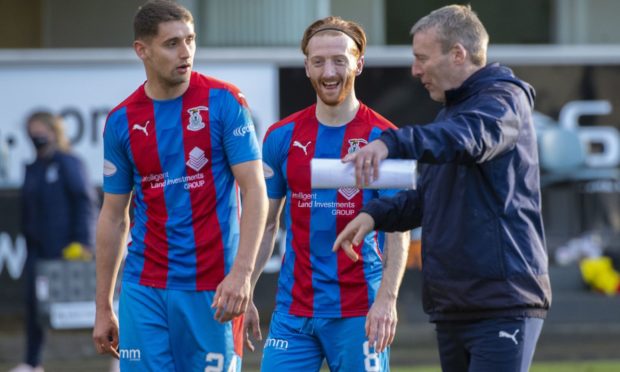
[[483, 250]]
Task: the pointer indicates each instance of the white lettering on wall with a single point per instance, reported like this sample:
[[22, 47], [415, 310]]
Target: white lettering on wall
[[12, 256]]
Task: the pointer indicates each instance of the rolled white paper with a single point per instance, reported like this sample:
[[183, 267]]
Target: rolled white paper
[[333, 174]]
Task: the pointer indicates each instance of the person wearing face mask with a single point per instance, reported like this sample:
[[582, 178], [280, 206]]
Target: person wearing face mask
[[58, 215]]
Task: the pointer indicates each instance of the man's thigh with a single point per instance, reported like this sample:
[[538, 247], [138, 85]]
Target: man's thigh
[[291, 345], [198, 341], [347, 348], [163, 330], [144, 343]]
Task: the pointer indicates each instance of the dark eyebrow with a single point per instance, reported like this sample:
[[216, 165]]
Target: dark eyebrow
[[176, 38], [171, 39]]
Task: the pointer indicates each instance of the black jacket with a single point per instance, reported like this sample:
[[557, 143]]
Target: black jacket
[[478, 201], [58, 205]]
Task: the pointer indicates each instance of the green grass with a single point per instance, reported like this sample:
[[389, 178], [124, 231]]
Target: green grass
[[581, 366], [578, 366], [102, 364]]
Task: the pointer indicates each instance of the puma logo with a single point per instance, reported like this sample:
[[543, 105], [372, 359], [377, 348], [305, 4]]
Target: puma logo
[[141, 127], [513, 337], [303, 147]]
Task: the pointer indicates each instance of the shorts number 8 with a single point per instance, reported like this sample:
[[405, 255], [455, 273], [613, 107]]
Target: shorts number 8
[[371, 359]]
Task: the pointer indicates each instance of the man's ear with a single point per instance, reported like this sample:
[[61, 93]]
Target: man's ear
[[459, 53], [306, 67], [359, 66], [140, 48]]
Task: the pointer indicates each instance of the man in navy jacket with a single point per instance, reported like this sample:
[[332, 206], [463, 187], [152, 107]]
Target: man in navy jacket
[[486, 284]]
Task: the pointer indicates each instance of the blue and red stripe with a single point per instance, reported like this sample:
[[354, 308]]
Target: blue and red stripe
[[146, 158], [298, 164], [353, 281], [314, 281], [207, 231]]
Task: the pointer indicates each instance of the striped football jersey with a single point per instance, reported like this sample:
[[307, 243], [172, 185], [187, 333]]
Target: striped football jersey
[[314, 281], [176, 156]]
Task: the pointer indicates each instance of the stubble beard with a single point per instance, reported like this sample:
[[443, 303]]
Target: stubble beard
[[176, 80], [345, 90]]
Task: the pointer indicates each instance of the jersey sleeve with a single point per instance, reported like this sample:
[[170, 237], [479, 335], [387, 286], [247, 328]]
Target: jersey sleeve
[[273, 165], [240, 141], [117, 169]]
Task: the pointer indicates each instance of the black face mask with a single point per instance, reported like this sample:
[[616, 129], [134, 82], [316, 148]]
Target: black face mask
[[39, 142]]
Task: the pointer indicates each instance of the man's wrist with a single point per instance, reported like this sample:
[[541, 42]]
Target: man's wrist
[[387, 296], [243, 269], [371, 211], [387, 140], [105, 306]]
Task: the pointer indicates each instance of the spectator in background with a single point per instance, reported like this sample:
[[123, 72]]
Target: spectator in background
[[58, 215]]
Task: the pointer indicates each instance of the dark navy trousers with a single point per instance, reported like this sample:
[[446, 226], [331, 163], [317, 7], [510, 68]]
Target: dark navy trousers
[[497, 344], [35, 332]]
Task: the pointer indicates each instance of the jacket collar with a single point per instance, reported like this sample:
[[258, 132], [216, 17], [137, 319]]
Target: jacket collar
[[465, 90]]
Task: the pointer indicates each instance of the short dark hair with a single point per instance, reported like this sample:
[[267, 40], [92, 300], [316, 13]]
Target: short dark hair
[[152, 13], [457, 24], [334, 25]]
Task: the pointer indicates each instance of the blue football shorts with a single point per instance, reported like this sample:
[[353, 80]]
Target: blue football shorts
[[168, 330], [301, 344]]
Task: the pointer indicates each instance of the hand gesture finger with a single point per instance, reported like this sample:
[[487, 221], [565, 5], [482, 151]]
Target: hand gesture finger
[[367, 160], [371, 330], [381, 324], [382, 335], [218, 304], [105, 334], [344, 241], [251, 323], [392, 332], [231, 297], [353, 234], [349, 158]]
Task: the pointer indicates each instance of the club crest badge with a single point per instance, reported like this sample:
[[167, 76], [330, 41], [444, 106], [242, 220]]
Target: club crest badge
[[195, 119], [355, 144]]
